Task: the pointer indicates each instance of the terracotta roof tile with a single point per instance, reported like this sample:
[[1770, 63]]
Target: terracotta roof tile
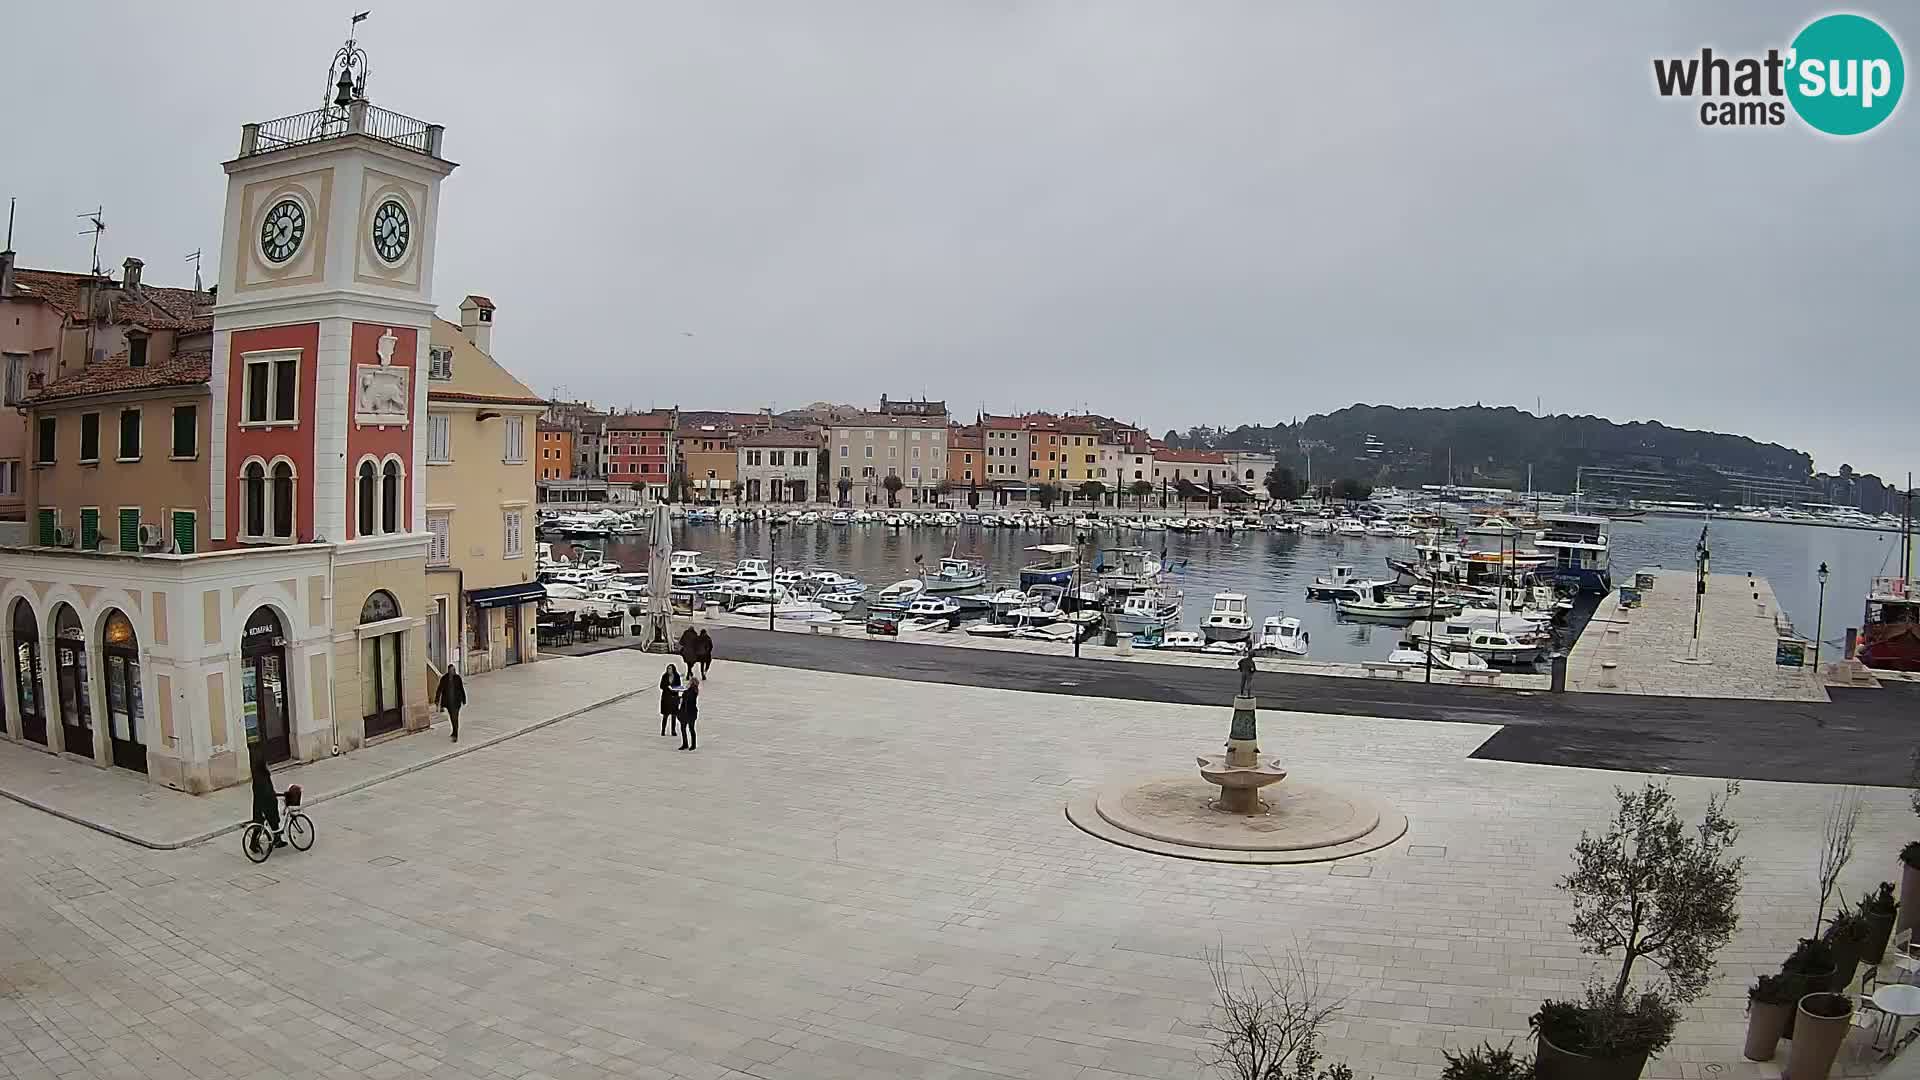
[[801, 440], [658, 420], [151, 306], [114, 377]]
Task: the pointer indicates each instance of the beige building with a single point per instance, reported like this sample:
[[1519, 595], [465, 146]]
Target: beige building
[[482, 593], [778, 466], [873, 446]]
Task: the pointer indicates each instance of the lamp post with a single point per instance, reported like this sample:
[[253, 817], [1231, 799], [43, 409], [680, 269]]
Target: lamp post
[[773, 526], [1820, 620]]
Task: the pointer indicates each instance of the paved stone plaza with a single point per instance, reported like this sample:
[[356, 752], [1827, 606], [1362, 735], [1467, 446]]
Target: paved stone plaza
[[852, 878]]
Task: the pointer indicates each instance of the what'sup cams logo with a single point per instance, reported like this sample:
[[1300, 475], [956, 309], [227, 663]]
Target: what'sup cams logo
[[1842, 75]]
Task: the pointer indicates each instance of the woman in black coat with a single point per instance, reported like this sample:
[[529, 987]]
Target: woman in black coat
[[689, 712], [670, 701]]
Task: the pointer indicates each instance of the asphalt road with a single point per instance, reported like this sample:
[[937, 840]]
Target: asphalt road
[[1862, 737]]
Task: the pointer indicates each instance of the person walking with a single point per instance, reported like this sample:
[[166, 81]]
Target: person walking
[[266, 802], [670, 701], [705, 650], [689, 648], [689, 712], [450, 695]]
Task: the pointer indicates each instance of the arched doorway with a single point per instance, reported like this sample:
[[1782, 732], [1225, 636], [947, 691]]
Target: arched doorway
[[26, 673], [70, 673], [126, 717], [264, 701], [380, 698]]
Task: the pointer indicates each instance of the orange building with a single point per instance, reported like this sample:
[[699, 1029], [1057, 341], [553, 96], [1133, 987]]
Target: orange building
[[966, 459], [555, 461]]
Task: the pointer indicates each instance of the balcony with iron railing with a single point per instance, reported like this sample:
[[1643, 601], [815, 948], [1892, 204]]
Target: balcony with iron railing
[[358, 118]]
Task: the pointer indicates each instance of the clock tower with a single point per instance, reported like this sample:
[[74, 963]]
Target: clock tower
[[321, 327]]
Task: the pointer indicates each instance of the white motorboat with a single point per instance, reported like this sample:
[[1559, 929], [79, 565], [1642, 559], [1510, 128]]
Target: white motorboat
[[1450, 660], [934, 607], [791, 609], [1342, 584], [1006, 601], [991, 629], [839, 517], [1225, 648], [834, 581], [1317, 526], [1145, 612], [898, 595], [957, 575], [838, 601], [1282, 635], [1498, 646], [1182, 639], [1055, 631], [747, 570], [1227, 619], [1349, 527]]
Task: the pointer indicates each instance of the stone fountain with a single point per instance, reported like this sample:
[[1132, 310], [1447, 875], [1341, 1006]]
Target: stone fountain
[[1219, 815], [1241, 772]]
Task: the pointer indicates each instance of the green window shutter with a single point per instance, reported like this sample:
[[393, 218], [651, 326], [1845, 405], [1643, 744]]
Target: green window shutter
[[130, 530], [183, 530], [48, 522], [89, 529]]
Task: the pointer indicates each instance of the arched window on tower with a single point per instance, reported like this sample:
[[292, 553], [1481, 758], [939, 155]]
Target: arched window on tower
[[390, 498], [369, 481], [283, 501], [253, 494]]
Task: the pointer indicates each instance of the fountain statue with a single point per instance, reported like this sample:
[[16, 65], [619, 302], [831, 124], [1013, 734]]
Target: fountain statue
[[1240, 773]]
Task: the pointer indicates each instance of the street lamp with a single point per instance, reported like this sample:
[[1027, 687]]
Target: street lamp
[[773, 526], [1820, 620]]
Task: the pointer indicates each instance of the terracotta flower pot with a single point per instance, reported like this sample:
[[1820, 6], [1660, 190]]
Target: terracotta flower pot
[[1909, 897], [1818, 1038], [1765, 1025], [1553, 1063]]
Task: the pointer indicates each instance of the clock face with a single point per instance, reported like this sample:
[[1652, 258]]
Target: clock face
[[280, 234], [391, 231]]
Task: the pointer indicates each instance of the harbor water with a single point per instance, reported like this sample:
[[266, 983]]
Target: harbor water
[[1274, 569]]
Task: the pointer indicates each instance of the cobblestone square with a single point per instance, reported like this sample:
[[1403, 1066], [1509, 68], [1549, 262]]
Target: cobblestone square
[[852, 878]]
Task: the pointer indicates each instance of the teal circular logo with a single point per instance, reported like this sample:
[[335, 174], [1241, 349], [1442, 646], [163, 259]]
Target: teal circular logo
[[1845, 74]]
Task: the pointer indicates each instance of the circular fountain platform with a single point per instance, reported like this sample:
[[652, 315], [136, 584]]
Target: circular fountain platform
[[1298, 823]]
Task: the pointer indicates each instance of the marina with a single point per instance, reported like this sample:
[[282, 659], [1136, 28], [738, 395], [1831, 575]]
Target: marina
[[1165, 579]]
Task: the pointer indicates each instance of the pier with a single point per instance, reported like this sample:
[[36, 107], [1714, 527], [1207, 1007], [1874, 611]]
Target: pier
[[1644, 650]]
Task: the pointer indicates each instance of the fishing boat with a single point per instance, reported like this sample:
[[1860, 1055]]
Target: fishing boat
[[1349, 527], [1282, 636], [931, 614], [1183, 639], [1378, 605], [790, 608], [1578, 555], [956, 575], [1143, 612], [1890, 632], [746, 571], [1497, 646], [1052, 565], [1342, 584], [686, 569], [834, 581], [1227, 619], [1129, 570]]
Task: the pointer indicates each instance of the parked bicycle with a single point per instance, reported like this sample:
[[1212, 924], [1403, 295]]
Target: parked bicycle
[[296, 828]]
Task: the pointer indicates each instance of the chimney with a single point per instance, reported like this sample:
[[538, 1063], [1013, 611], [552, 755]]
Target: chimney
[[6, 273], [130, 278], [476, 321]]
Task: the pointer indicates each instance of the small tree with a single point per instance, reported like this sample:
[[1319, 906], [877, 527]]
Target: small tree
[[1836, 846], [1267, 1020], [1647, 887], [1142, 488], [845, 485], [1486, 1063], [1092, 490], [1046, 493], [1280, 484], [893, 484]]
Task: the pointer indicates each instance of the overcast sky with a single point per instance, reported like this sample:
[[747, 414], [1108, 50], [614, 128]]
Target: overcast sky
[[1177, 212]]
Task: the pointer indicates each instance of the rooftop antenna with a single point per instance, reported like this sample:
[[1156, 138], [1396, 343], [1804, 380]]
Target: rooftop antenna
[[96, 225], [10, 202], [194, 258]]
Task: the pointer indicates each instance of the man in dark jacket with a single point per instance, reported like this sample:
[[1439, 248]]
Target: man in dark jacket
[[705, 647], [689, 649], [450, 695]]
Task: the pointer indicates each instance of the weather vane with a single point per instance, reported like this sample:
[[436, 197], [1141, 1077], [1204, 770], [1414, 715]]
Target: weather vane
[[347, 75]]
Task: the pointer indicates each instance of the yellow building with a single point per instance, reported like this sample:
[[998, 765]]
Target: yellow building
[[482, 593]]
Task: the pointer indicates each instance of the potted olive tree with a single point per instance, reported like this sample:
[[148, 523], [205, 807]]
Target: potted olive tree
[[1909, 885], [1811, 968], [1647, 886], [1769, 1002], [1847, 934], [1878, 908]]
